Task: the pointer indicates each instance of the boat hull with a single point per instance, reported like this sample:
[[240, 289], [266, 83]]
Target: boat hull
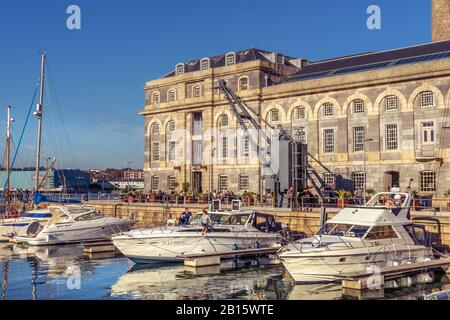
[[172, 249], [72, 234], [308, 268]]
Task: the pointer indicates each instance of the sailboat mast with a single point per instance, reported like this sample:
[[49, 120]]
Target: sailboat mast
[[38, 114], [8, 153]]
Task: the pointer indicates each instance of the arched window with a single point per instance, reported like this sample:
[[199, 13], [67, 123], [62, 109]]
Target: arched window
[[243, 83], [427, 99], [299, 113], [171, 95], [391, 103], [358, 106], [179, 69], [204, 64], [328, 109], [223, 121], [171, 126], [230, 58], [155, 128], [274, 116], [155, 98]]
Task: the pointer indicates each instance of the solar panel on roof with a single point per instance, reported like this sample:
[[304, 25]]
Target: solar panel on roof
[[428, 57], [312, 75]]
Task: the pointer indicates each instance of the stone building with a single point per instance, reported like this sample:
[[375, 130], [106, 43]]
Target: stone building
[[384, 114]]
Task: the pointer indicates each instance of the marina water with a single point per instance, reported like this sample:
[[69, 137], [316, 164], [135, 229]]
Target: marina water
[[67, 273]]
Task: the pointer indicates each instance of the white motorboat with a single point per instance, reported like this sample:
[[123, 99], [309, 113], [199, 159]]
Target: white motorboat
[[359, 239], [72, 224], [231, 230], [10, 227]]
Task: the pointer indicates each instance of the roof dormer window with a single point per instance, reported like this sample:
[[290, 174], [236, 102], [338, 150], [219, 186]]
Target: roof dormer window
[[204, 64], [230, 58], [179, 69]]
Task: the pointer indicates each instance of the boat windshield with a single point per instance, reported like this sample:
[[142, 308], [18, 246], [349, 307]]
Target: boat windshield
[[389, 200], [58, 216], [240, 219], [344, 230], [89, 216]]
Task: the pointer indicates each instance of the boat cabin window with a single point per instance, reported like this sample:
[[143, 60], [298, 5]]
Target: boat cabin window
[[381, 232], [344, 230], [264, 223], [89, 216]]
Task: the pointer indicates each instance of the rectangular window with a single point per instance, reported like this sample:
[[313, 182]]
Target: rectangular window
[[172, 182], [224, 147], [275, 116], [197, 152], [329, 180], [359, 180], [328, 110], [196, 92], [300, 113], [156, 151], [328, 140], [428, 181], [223, 183], [391, 103], [155, 98], [197, 124], [243, 182], [230, 59], [172, 150], [172, 95], [358, 106], [300, 135], [391, 137], [427, 99], [246, 147], [155, 183], [358, 139], [204, 64], [428, 133]]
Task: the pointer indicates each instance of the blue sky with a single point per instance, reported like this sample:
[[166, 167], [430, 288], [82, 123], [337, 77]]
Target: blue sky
[[98, 72]]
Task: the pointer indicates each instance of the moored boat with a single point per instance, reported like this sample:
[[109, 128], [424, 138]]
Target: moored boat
[[378, 234]]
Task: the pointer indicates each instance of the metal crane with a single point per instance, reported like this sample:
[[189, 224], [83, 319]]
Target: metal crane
[[291, 170]]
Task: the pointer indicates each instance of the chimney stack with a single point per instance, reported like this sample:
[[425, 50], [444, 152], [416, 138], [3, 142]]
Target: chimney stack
[[441, 20]]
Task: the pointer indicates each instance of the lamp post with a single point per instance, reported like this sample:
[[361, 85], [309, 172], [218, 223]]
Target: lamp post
[[129, 162], [365, 168]]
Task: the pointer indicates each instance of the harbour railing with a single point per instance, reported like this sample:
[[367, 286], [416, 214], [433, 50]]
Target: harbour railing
[[303, 203]]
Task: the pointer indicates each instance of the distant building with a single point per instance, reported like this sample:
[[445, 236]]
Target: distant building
[[125, 184], [134, 175], [65, 179], [25, 180]]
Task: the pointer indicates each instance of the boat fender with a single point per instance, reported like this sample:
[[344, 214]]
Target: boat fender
[[235, 247]]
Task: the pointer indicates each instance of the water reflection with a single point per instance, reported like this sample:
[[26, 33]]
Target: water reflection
[[43, 273]]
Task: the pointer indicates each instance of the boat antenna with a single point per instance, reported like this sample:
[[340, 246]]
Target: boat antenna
[[38, 114]]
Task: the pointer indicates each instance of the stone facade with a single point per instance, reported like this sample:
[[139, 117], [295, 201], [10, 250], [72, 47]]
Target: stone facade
[[441, 20], [391, 123]]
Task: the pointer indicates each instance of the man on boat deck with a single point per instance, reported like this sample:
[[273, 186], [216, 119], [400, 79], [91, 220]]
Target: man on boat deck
[[206, 221], [185, 217]]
